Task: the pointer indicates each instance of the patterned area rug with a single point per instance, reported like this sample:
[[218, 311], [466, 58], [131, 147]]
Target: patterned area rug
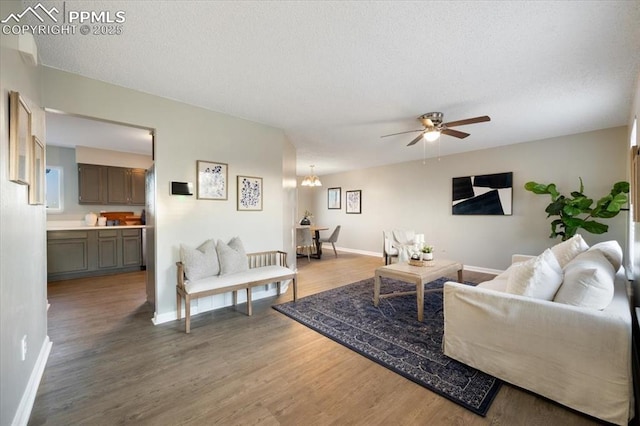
[[392, 336]]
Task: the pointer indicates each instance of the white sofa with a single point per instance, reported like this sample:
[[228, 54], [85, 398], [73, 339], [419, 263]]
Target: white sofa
[[578, 356]]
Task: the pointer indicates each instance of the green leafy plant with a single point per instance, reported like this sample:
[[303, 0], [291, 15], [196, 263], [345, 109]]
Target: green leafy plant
[[569, 209], [427, 249]]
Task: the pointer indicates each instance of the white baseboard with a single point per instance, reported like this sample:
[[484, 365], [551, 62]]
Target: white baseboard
[[481, 269], [326, 247], [29, 396]]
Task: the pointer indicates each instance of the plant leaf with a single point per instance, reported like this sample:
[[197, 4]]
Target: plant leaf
[[536, 188], [619, 187], [595, 227]]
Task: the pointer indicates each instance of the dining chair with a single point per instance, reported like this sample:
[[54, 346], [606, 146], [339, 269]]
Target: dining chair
[[332, 239], [304, 240], [389, 250]]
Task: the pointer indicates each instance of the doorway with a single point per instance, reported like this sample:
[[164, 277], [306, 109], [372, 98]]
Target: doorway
[[117, 160]]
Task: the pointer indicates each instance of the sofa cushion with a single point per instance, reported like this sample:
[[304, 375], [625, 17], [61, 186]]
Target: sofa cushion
[[232, 256], [539, 277], [588, 281], [611, 251], [274, 272], [200, 262], [567, 250]]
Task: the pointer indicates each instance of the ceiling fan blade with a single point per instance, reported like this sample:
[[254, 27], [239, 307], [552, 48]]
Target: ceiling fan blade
[[415, 141], [454, 133], [468, 121], [402, 133]]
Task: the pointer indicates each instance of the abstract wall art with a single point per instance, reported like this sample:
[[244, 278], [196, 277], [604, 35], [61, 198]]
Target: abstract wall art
[[483, 194], [212, 181], [249, 193]]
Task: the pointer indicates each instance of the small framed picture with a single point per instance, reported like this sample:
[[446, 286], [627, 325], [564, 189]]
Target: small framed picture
[[334, 197], [353, 201], [19, 139], [36, 188], [249, 193], [212, 181]]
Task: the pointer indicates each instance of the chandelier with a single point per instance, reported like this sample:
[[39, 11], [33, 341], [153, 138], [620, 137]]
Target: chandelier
[[311, 180]]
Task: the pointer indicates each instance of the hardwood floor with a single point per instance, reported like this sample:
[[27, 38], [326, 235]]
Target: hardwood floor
[[110, 365]]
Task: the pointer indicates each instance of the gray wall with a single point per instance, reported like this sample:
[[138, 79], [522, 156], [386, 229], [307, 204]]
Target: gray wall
[[23, 283], [185, 134], [417, 196]]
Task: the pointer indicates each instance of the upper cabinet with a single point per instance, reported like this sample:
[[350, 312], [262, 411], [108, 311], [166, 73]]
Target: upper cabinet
[[110, 185]]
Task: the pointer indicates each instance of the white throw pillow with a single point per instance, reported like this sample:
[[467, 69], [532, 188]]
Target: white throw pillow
[[612, 251], [539, 277], [588, 281], [232, 257], [567, 250], [200, 262]]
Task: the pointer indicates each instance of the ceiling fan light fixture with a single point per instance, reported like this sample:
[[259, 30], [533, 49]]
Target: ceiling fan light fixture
[[431, 135]]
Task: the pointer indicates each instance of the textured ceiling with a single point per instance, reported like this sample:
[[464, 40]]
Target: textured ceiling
[[338, 75]]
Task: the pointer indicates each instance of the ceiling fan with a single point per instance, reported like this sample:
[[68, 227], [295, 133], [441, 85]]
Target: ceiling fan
[[433, 127]]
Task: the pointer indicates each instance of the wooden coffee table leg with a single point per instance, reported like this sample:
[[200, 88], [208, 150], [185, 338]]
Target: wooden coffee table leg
[[420, 297], [376, 290]]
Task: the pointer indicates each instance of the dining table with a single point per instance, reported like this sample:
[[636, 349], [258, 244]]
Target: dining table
[[315, 230]]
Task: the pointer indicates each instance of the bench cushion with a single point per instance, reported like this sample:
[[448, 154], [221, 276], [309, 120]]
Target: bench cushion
[[273, 272]]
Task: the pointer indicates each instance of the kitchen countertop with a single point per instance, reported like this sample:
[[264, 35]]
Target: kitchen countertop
[[73, 225]]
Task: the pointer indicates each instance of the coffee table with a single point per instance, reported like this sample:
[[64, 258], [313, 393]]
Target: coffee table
[[418, 275]]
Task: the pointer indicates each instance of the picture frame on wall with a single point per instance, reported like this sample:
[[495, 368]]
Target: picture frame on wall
[[36, 188], [212, 180], [334, 198], [490, 194], [353, 201], [249, 193], [19, 139]]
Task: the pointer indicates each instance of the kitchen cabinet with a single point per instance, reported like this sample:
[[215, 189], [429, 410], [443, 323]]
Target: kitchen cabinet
[[110, 185], [92, 184], [75, 254]]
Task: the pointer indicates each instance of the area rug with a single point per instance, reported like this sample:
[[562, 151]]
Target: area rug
[[392, 336]]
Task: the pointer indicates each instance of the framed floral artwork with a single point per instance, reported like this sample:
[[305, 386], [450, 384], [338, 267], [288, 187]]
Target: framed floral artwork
[[333, 198], [212, 181], [353, 201], [249, 193], [36, 188], [19, 139]]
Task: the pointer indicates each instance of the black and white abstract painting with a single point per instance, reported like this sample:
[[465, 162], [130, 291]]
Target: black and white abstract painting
[[483, 194]]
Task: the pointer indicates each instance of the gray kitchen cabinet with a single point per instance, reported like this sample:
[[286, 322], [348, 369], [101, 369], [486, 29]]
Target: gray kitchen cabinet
[[108, 249], [67, 252], [92, 184], [138, 187], [118, 184], [131, 247], [105, 185], [76, 254]]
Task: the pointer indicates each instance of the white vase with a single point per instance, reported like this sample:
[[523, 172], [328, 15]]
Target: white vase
[[90, 219], [427, 256]]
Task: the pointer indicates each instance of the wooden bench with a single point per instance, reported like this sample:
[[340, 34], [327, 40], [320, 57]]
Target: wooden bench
[[264, 268]]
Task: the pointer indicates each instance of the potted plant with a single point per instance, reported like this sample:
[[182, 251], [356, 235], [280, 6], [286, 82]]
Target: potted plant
[[570, 208], [427, 252]]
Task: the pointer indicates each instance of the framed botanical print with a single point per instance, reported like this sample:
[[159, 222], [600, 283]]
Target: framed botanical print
[[212, 181], [353, 201], [19, 139], [36, 188], [333, 198], [249, 193]]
